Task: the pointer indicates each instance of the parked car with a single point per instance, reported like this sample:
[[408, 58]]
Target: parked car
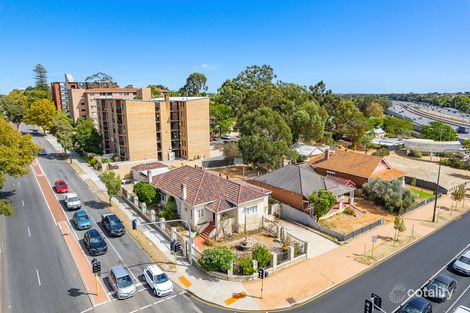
[[94, 242], [462, 309], [81, 220], [462, 264], [122, 282], [42, 152], [158, 281], [417, 305], [113, 225], [440, 288], [72, 201], [61, 186]]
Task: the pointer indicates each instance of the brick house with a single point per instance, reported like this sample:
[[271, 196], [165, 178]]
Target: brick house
[[293, 184], [206, 200], [357, 168]]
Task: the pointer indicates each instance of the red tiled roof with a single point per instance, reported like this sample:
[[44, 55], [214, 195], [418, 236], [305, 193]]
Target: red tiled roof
[[341, 180], [219, 193], [148, 166], [388, 174]]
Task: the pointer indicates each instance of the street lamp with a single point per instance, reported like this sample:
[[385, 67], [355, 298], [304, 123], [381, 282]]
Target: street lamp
[[437, 183]]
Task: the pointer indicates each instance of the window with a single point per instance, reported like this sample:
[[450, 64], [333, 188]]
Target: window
[[200, 213], [83, 110], [163, 197], [251, 210], [330, 173], [91, 94]]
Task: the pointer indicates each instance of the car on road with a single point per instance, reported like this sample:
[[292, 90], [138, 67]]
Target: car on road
[[113, 224], [81, 220], [461, 309], [462, 264], [72, 201], [417, 305], [61, 186], [440, 288], [42, 152], [158, 281], [94, 242], [122, 282]]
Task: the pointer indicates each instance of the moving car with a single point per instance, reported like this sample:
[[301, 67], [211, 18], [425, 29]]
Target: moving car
[[72, 202], [81, 220], [61, 186], [417, 305], [158, 281], [122, 282], [94, 242], [462, 264], [440, 288], [113, 224]]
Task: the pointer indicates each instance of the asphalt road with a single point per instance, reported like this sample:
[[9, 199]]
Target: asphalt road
[[121, 250]]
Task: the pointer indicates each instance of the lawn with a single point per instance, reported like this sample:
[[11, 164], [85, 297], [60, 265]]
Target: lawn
[[420, 193]]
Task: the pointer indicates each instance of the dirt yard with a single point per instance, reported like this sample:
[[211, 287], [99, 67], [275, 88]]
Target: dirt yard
[[345, 223], [238, 171]]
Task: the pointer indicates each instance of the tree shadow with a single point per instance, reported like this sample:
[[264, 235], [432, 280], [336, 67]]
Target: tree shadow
[[93, 204], [5, 195]]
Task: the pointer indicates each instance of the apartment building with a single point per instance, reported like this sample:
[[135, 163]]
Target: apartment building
[[164, 128]]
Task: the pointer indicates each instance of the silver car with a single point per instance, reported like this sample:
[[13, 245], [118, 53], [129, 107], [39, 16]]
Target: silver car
[[462, 264], [122, 282]]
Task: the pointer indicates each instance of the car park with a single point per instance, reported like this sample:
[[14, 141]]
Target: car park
[[81, 220], [440, 288], [72, 201], [462, 264], [158, 281], [61, 186], [461, 309], [417, 305], [94, 242], [113, 225], [122, 282]]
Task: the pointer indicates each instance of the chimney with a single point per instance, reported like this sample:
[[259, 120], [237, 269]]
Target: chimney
[[327, 153], [184, 192], [149, 176]]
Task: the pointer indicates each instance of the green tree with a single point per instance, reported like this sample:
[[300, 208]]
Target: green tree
[[217, 259], [87, 137], [308, 122], [438, 131], [195, 85], [145, 192], [156, 90], [40, 77], [169, 211], [356, 133], [231, 150], [397, 127], [63, 130], [261, 254], [399, 226], [41, 113], [344, 115], [222, 118], [14, 106], [34, 94], [466, 144], [112, 182], [322, 201], [413, 181], [17, 151], [391, 194], [374, 109], [265, 139], [101, 77]]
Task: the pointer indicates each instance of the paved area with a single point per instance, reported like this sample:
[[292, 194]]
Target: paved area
[[424, 169]]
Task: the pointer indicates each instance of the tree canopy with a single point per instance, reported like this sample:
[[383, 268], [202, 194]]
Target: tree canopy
[[222, 118], [322, 201], [145, 192], [40, 77], [87, 137], [63, 130], [195, 85], [112, 182], [101, 77], [14, 106], [41, 113], [438, 131]]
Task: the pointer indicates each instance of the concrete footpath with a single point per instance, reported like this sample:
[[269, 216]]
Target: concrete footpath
[[299, 282]]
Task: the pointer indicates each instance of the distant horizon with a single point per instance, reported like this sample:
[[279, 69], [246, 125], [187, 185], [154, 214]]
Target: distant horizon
[[360, 47]]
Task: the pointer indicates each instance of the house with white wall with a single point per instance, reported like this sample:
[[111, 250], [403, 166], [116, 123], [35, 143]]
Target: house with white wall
[[206, 199]]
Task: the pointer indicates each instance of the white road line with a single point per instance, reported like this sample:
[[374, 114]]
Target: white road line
[[182, 292], [147, 306], [87, 310], [39, 279], [134, 311], [440, 270], [19, 184], [22, 202], [457, 300], [171, 297], [29, 232], [159, 301]]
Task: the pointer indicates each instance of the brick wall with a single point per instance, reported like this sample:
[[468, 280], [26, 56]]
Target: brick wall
[[285, 196], [359, 181]]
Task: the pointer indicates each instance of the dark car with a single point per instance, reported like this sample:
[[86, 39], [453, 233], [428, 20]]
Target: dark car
[[42, 152], [113, 225], [95, 242], [417, 305], [440, 288]]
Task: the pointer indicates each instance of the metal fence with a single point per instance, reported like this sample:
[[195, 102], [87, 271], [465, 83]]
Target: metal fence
[[362, 230], [282, 257], [420, 204]]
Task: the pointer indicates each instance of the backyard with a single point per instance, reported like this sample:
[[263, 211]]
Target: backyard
[[238, 171], [420, 193], [346, 222]]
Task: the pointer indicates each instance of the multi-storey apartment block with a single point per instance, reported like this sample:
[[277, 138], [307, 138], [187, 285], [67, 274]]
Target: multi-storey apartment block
[[163, 128]]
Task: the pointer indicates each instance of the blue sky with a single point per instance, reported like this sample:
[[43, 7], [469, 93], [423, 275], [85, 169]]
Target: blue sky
[[354, 46]]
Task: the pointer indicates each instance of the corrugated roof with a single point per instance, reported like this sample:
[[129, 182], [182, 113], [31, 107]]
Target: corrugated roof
[[302, 179]]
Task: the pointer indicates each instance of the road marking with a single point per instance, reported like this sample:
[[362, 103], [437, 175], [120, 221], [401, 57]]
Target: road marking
[[19, 184], [185, 281], [159, 301], [22, 202], [182, 292], [147, 306], [42, 193], [29, 232], [39, 279], [457, 300], [87, 310], [235, 297], [170, 297]]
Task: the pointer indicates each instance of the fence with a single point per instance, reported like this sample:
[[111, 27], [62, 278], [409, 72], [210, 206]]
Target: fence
[[298, 216], [220, 162], [420, 204], [425, 184]]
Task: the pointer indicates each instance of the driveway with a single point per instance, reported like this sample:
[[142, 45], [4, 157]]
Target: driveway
[[317, 243]]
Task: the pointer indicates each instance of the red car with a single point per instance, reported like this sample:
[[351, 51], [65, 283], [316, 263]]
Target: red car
[[61, 186]]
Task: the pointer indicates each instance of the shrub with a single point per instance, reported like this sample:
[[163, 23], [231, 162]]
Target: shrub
[[382, 152], [246, 265], [145, 193], [169, 210], [93, 161], [217, 259], [104, 160], [391, 194], [261, 254], [349, 211], [416, 154], [97, 166]]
